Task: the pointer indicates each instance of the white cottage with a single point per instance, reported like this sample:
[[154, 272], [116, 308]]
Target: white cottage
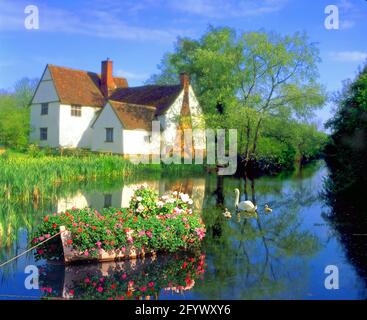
[[74, 108]]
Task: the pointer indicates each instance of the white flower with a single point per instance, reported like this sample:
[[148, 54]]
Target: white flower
[[171, 200], [141, 208], [174, 193], [159, 204], [165, 197], [138, 198], [185, 197]]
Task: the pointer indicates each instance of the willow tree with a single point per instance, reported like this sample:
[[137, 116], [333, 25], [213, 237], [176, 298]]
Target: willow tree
[[242, 79]]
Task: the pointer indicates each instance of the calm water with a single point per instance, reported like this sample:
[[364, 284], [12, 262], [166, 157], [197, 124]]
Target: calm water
[[281, 255]]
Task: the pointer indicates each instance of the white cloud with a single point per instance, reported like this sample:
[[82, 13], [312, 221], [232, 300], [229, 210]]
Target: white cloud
[[96, 20], [347, 24], [348, 56]]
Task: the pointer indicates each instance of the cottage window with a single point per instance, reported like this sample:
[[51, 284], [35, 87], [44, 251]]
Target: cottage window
[[43, 134], [148, 139], [107, 200], [109, 134], [44, 108], [76, 111]]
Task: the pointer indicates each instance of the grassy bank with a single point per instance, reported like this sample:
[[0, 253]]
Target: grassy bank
[[25, 176]]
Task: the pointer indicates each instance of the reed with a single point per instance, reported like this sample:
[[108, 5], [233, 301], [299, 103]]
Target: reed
[[24, 177]]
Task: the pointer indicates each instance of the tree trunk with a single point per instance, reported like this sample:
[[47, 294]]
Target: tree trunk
[[256, 135]]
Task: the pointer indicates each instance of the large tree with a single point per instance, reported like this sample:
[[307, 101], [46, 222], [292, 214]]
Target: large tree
[[243, 79]]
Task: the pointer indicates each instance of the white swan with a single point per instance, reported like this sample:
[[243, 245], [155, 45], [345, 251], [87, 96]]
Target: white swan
[[227, 214], [247, 205], [268, 209]]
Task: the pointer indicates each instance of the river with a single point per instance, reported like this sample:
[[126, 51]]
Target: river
[[277, 255]]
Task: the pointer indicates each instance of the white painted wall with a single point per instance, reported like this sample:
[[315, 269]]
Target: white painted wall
[[76, 131], [50, 121], [107, 119], [169, 121], [170, 124], [134, 142], [45, 92]]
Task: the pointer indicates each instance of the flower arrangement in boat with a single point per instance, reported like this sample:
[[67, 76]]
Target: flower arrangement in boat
[[151, 223]]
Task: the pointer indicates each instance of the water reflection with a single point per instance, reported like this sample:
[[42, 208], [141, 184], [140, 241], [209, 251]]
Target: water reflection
[[279, 255], [149, 278]]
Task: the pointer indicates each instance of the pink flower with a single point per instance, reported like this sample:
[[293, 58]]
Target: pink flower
[[47, 235], [151, 284], [143, 289], [149, 234], [184, 219], [123, 249], [200, 232], [41, 238], [108, 231], [141, 233], [100, 289], [123, 276], [71, 292], [101, 279], [87, 280], [98, 243], [86, 253]]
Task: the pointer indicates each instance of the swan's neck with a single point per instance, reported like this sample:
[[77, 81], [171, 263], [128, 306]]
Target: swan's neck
[[237, 200]]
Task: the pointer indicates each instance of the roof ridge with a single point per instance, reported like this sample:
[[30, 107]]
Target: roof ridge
[[79, 70], [132, 104]]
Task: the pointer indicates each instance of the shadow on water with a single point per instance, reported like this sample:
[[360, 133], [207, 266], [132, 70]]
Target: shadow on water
[[348, 217]]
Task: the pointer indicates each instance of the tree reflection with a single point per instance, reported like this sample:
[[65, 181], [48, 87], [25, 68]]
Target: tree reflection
[[264, 254]]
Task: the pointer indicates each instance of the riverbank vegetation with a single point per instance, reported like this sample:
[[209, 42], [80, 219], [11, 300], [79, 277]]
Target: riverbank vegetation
[[346, 151], [36, 174], [265, 85]]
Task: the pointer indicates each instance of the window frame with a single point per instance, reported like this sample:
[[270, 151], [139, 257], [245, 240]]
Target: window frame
[[42, 132], [107, 201], [76, 110], [44, 106], [109, 139]]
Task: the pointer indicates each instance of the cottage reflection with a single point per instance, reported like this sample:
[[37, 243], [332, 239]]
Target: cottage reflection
[[120, 198]]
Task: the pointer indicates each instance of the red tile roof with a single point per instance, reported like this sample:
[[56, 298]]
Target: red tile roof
[[134, 116], [80, 87], [84, 88], [159, 97]]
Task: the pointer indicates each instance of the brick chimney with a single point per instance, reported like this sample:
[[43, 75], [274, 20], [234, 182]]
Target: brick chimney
[[185, 81], [107, 83]]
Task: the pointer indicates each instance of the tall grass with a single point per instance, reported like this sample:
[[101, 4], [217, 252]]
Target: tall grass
[[25, 177]]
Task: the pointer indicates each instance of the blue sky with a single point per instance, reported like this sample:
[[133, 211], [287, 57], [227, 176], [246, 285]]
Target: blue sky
[[136, 34]]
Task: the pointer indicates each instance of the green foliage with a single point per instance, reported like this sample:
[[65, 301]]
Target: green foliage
[[346, 150], [25, 176], [124, 229], [14, 114], [252, 81]]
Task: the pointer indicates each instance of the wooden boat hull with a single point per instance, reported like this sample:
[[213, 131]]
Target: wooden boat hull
[[72, 256]]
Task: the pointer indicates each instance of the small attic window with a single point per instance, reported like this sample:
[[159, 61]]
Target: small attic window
[[109, 134], [44, 109], [76, 111]]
